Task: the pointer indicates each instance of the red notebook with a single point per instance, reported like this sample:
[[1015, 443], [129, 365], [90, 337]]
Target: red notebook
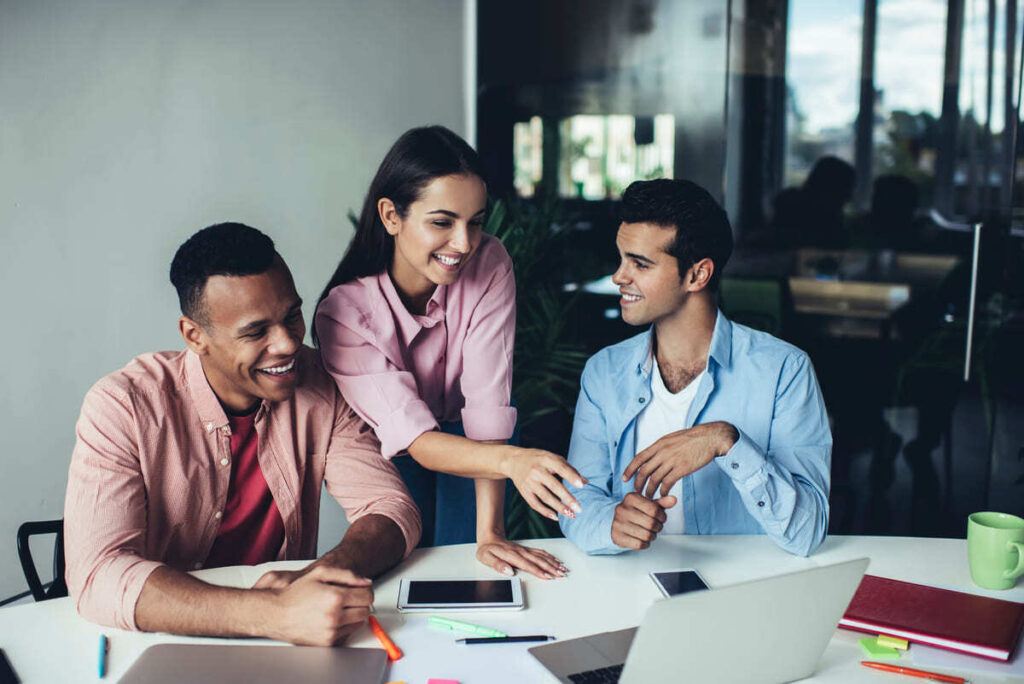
[[977, 625]]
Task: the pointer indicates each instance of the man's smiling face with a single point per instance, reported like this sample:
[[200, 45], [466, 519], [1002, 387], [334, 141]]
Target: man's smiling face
[[648, 276], [251, 332]]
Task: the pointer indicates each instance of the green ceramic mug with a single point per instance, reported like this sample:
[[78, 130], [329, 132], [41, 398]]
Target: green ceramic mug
[[995, 549]]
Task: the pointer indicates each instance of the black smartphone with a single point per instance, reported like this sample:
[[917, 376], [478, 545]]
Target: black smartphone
[[676, 582]]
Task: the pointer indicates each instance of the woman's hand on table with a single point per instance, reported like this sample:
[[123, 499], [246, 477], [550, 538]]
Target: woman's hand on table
[[506, 557], [538, 474]]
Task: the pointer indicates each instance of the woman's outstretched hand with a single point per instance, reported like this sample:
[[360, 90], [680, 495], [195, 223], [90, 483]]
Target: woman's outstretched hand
[[538, 474]]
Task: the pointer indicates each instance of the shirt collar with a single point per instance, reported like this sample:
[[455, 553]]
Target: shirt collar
[[644, 360], [721, 341], [211, 413], [409, 323], [720, 350]]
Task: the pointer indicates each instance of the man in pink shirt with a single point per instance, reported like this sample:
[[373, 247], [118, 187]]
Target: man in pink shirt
[[217, 456]]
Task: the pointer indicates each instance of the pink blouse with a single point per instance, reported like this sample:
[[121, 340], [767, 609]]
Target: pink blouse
[[404, 373]]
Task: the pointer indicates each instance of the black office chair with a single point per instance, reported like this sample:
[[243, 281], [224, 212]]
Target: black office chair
[[57, 588]]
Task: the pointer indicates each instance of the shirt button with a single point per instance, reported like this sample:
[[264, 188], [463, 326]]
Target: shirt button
[[760, 504], [209, 427], [735, 466], [218, 515], [226, 429], [224, 461], [642, 400], [197, 566]]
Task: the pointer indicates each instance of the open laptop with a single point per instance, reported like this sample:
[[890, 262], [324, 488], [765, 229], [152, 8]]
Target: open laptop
[[769, 630], [244, 664]]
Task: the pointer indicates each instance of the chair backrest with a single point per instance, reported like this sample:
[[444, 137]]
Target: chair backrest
[[754, 303], [58, 587]]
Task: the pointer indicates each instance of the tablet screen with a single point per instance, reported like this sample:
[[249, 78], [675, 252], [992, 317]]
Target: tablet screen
[[434, 592]]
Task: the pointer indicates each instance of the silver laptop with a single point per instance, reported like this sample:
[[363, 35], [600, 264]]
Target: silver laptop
[[728, 634], [242, 664]]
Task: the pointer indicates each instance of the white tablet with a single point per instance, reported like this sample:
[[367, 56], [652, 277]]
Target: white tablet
[[456, 593]]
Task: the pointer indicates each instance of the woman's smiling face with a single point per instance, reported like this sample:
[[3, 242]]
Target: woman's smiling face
[[439, 233]]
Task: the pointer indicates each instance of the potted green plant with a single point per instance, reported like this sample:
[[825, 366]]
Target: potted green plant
[[548, 360]]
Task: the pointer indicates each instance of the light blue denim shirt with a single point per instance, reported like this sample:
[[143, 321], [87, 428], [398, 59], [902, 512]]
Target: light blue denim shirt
[[774, 480]]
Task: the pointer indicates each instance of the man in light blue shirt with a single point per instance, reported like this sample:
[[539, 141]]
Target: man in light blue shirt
[[727, 424]]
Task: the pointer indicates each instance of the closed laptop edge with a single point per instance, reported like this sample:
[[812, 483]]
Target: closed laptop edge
[[226, 664]]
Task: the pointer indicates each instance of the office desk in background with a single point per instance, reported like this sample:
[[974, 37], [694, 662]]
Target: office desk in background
[[847, 293], [859, 265], [841, 293], [857, 292], [48, 642]]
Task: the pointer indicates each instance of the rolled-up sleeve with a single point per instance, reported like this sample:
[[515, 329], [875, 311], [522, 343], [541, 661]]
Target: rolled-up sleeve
[[590, 454], [363, 482], [383, 394], [785, 488], [486, 381], [105, 514]]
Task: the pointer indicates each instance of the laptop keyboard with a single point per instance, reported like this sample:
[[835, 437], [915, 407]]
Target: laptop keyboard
[[609, 675]]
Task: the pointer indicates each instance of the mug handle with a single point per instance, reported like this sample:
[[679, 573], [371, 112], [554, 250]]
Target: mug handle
[[1019, 570]]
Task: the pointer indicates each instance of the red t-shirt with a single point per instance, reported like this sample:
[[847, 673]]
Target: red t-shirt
[[251, 529]]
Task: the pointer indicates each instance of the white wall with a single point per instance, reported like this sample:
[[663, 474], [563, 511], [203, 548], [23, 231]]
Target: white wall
[[126, 126]]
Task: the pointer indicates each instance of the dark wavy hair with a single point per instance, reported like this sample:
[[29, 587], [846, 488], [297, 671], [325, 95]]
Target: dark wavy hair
[[702, 227], [232, 249], [416, 158]]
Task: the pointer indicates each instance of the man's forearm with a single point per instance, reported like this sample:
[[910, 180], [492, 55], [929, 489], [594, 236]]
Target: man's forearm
[[177, 603], [372, 545]]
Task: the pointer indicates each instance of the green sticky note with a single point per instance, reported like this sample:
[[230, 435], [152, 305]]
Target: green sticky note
[[873, 650]]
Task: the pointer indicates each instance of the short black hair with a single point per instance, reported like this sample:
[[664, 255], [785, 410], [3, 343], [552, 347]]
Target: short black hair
[[702, 228], [232, 249]]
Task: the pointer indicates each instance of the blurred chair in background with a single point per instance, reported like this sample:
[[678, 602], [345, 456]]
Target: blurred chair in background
[[758, 304], [56, 588]]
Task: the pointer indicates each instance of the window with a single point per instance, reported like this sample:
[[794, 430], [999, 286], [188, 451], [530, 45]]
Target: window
[[598, 156], [823, 80], [980, 166], [910, 50], [528, 146]]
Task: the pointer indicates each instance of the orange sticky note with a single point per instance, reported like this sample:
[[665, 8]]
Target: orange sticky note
[[394, 653]]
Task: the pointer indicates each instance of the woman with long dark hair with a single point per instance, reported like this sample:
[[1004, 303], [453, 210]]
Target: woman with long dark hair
[[417, 326]]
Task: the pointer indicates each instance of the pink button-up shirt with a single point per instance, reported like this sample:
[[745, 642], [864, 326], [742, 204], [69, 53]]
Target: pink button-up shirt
[[403, 373], [151, 468]]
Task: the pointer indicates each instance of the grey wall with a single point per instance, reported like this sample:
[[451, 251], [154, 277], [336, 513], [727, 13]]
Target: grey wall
[[126, 126]]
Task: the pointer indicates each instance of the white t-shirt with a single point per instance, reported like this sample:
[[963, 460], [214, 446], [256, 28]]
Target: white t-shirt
[[666, 412]]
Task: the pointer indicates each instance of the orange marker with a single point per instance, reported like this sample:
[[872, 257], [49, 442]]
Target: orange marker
[[394, 653], [935, 676]]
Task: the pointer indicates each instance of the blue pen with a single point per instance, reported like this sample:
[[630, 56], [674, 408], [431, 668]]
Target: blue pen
[[104, 647]]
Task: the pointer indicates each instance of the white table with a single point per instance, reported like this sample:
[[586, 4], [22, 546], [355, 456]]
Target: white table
[[48, 642]]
